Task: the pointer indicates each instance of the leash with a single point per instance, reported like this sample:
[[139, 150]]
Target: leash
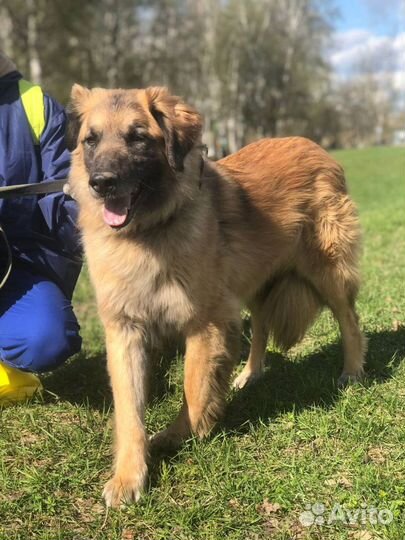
[[9, 258], [23, 190]]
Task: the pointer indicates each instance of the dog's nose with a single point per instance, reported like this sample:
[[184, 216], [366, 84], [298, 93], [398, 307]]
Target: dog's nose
[[103, 183]]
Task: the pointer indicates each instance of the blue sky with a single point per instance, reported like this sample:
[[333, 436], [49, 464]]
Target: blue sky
[[381, 17], [372, 33]]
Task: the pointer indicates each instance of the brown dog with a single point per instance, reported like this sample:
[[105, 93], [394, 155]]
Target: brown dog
[[177, 243]]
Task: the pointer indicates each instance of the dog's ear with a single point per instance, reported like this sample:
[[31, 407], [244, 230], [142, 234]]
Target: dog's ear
[[180, 124], [74, 111]]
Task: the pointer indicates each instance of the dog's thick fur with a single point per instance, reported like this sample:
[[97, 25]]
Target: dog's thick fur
[[270, 227]]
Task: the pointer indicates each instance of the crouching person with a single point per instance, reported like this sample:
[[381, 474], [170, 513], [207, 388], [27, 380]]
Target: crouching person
[[38, 329]]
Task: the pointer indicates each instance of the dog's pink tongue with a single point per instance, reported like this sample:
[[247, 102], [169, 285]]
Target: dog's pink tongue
[[115, 211]]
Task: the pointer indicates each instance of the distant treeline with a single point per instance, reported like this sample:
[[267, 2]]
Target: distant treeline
[[253, 67]]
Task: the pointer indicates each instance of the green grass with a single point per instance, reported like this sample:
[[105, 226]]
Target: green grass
[[290, 440]]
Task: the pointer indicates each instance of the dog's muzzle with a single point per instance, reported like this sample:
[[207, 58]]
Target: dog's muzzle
[[104, 184]]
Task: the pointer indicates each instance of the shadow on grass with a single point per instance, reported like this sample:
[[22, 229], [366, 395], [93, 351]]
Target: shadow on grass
[[82, 381], [310, 381], [286, 385]]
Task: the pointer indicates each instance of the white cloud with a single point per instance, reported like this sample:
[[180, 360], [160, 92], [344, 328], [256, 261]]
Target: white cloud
[[355, 50]]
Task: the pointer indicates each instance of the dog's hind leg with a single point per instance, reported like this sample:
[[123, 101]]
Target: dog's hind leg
[[332, 267], [338, 290], [210, 357], [354, 342], [254, 366], [285, 310]]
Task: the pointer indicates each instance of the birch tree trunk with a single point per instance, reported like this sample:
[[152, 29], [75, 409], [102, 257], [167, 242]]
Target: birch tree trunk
[[34, 61]]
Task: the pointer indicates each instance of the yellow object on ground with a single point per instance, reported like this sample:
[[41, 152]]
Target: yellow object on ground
[[17, 385]]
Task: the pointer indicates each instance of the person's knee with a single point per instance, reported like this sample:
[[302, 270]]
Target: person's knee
[[38, 329], [51, 347]]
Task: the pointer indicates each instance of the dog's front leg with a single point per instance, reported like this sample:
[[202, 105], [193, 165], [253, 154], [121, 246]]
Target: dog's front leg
[[210, 357], [126, 365]]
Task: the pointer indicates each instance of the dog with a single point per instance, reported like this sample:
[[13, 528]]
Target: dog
[[178, 244]]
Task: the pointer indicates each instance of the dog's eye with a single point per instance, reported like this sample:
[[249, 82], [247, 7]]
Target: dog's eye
[[135, 135], [91, 141]]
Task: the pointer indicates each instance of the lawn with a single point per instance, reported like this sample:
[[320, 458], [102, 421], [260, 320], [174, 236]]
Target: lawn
[[291, 441]]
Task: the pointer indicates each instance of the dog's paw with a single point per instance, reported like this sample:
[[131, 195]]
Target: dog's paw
[[245, 378], [166, 440], [347, 379], [124, 489]]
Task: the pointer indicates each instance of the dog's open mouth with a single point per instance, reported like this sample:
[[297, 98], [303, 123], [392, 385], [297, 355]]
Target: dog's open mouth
[[117, 211]]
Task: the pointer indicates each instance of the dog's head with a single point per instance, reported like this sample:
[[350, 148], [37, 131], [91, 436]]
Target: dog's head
[[135, 153]]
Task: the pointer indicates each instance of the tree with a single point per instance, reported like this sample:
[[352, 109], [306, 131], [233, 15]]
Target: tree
[[253, 67]]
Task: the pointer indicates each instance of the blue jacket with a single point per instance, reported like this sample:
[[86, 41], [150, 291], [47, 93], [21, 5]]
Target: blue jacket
[[41, 230]]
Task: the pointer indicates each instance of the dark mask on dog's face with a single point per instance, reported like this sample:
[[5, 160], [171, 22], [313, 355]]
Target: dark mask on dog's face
[[133, 144]]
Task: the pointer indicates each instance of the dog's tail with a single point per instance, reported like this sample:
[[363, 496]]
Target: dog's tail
[[291, 307]]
